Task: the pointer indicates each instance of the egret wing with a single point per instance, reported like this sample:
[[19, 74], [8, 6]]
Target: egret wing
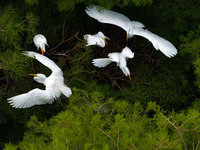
[[90, 40], [126, 52], [158, 42], [108, 16], [66, 90], [114, 57], [101, 62], [45, 61], [33, 97]]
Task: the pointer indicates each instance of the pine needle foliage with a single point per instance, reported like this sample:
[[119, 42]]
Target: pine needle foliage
[[190, 49], [13, 64], [97, 122], [66, 5]]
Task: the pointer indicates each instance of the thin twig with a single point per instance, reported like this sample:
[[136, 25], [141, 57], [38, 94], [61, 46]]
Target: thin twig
[[177, 128], [109, 137], [63, 31], [93, 139], [117, 138], [78, 37], [63, 41], [23, 21], [188, 120], [197, 145], [67, 142], [113, 81]]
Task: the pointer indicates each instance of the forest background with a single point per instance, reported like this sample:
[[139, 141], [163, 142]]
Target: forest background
[[159, 109]]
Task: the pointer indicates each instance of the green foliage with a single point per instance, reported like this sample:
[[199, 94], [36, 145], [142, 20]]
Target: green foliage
[[10, 146], [31, 2], [165, 89], [190, 49], [14, 25], [96, 122], [32, 22], [13, 64], [69, 5], [179, 16], [10, 27]]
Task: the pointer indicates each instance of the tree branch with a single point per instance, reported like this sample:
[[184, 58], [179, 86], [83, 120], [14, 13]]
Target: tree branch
[[177, 128], [63, 41], [109, 137]]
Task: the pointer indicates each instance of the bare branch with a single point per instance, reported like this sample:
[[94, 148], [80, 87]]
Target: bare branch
[[177, 128], [63, 31], [188, 120], [197, 147], [109, 137], [63, 41]]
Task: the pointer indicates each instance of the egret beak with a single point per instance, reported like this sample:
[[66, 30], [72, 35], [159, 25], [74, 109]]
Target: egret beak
[[33, 75], [42, 51], [105, 41], [129, 77], [126, 36]]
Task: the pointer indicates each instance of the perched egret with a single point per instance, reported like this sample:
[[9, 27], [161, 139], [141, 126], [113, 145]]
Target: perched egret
[[119, 58], [54, 86], [40, 41], [131, 27], [98, 39]]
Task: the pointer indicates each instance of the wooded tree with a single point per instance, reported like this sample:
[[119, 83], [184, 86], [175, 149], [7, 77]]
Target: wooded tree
[[158, 109]]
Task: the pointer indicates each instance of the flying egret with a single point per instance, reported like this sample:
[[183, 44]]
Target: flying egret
[[54, 86], [119, 58], [98, 39], [132, 28], [40, 41]]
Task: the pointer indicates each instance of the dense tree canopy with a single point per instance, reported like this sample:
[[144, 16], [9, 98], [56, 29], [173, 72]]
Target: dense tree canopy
[[158, 109]]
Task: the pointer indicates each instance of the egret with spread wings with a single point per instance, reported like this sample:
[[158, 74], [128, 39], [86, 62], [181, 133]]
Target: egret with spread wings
[[40, 41], [132, 28], [55, 86], [119, 58], [98, 39]]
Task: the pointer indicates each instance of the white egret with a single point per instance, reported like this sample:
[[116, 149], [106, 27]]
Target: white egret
[[119, 58], [132, 28], [54, 86], [98, 39], [40, 41]]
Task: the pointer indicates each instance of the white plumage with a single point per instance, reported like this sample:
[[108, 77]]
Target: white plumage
[[54, 86], [132, 28], [40, 41], [119, 58], [98, 39]]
